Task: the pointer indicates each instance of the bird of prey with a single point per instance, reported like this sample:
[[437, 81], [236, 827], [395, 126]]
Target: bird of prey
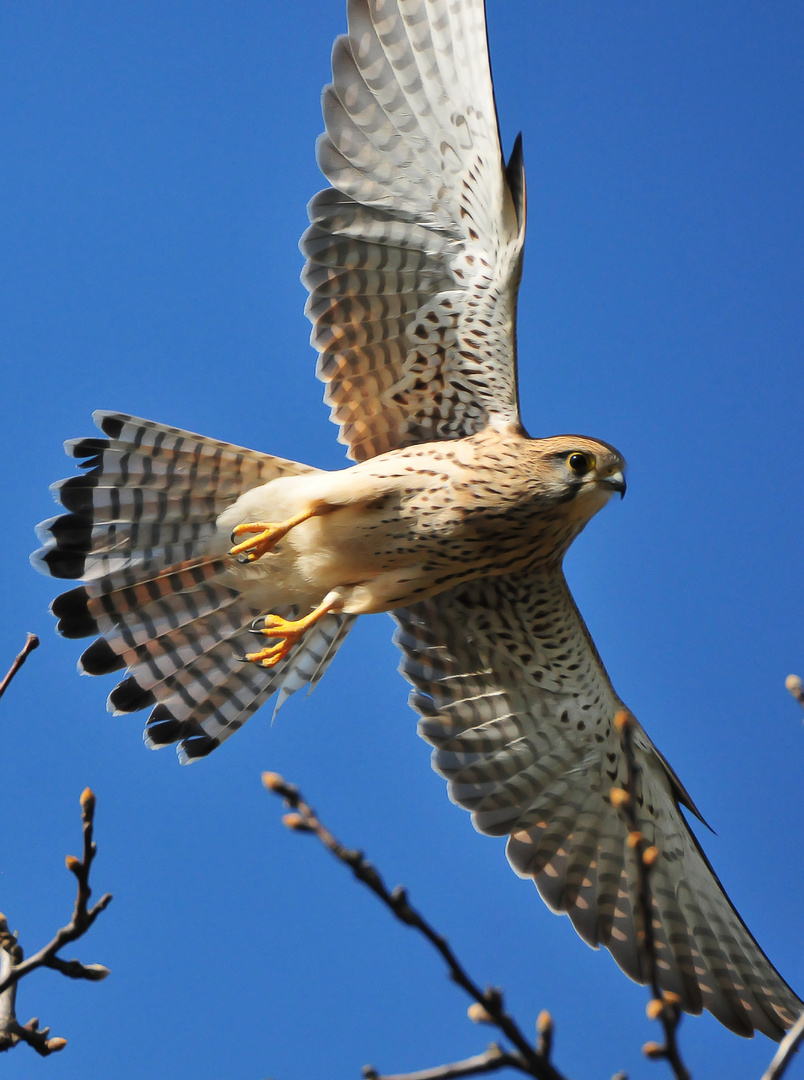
[[217, 576]]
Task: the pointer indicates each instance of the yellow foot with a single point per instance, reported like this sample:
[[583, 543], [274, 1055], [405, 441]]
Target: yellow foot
[[268, 536], [288, 631]]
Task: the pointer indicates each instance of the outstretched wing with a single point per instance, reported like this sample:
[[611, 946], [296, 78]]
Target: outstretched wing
[[414, 254], [518, 706]]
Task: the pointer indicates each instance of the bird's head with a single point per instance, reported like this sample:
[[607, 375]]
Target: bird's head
[[580, 473]]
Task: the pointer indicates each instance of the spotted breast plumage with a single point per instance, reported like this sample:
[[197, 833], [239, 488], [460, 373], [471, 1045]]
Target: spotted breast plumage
[[453, 519]]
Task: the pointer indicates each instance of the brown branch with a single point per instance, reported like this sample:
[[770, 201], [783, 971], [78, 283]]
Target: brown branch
[[13, 967], [664, 1005], [493, 1059], [529, 1059], [31, 642], [787, 1048]]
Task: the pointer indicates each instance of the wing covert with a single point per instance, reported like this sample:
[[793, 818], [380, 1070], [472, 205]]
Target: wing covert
[[518, 706], [414, 254]]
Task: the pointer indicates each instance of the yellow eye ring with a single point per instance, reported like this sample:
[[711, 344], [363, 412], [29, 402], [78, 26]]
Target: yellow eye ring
[[580, 463]]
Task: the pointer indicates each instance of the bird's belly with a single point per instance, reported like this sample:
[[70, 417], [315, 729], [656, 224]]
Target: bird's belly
[[384, 559]]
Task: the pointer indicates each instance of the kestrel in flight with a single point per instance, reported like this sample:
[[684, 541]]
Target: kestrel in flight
[[453, 519]]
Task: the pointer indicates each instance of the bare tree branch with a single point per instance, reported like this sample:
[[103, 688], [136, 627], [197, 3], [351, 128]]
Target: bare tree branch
[[31, 642], [493, 1059], [664, 1006], [533, 1060], [787, 1048], [14, 967]]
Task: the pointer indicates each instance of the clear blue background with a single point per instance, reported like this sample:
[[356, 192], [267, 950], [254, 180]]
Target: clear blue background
[[156, 160]]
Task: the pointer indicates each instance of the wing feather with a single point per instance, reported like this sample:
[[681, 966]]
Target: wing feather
[[519, 709], [414, 253]]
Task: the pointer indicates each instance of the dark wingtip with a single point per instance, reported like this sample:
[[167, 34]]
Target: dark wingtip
[[72, 611], [76, 494], [128, 696], [86, 448], [72, 532], [111, 424], [163, 729], [63, 564], [100, 659], [195, 748], [515, 175]]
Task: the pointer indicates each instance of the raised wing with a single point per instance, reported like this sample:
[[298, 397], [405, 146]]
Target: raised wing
[[414, 254], [518, 706]]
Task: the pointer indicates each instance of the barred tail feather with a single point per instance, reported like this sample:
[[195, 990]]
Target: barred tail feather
[[159, 594]]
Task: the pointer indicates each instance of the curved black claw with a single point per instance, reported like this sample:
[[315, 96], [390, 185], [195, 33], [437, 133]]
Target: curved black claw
[[253, 629]]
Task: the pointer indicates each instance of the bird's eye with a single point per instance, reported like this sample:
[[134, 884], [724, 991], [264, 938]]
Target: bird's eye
[[580, 463]]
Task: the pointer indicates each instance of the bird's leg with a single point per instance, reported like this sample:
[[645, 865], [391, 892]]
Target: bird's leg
[[268, 535], [288, 631]]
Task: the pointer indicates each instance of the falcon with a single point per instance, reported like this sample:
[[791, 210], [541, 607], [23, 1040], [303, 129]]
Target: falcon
[[217, 577]]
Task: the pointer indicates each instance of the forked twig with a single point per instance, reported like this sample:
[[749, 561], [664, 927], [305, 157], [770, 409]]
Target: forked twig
[[533, 1060], [14, 967], [664, 1005]]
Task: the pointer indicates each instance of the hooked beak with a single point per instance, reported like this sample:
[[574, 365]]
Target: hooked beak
[[615, 481]]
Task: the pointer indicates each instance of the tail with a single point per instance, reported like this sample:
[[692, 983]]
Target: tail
[[140, 531]]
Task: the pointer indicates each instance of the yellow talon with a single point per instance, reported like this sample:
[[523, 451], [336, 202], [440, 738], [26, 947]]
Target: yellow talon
[[289, 631], [268, 536]]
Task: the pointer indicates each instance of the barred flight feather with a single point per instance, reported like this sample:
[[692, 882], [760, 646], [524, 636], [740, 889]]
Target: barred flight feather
[[159, 590], [519, 709], [414, 254]]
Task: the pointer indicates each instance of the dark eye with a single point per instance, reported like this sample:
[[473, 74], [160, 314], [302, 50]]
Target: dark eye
[[580, 463]]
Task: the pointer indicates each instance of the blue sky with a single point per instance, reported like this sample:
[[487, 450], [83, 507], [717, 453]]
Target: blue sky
[[156, 163]]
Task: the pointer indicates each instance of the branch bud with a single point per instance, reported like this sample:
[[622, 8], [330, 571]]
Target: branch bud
[[274, 782], [654, 1008], [87, 805], [56, 1044], [650, 855], [478, 1014], [653, 1050], [622, 718], [619, 797], [544, 1023], [296, 822], [95, 972], [635, 838], [671, 998], [72, 863]]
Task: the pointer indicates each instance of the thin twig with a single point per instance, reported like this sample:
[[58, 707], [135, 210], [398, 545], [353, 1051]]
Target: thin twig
[[492, 1060], [664, 1005], [529, 1059], [13, 967], [787, 1048], [31, 642]]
